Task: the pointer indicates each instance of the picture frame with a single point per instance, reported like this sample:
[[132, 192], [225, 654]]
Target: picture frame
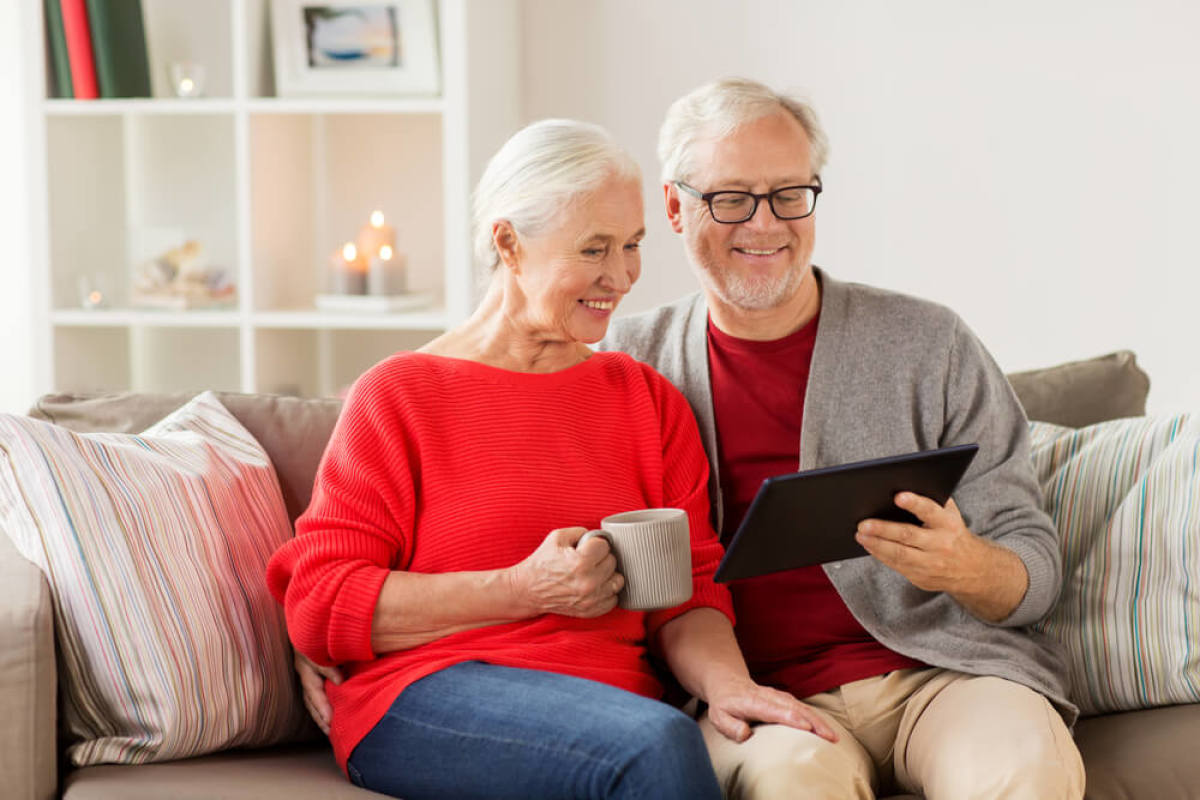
[[355, 47]]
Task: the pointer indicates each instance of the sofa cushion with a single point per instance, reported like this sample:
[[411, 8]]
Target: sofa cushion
[[1142, 755], [297, 773], [1125, 496], [155, 546], [1081, 393], [294, 432]]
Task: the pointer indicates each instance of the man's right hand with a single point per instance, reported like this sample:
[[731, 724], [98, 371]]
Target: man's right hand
[[561, 578], [312, 681]]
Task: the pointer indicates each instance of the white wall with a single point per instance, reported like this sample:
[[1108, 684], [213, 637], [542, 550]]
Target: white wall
[[1034, 165], [17, 352]]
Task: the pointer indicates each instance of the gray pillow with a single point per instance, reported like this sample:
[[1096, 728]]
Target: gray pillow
[[1081, 393], [293, 431]]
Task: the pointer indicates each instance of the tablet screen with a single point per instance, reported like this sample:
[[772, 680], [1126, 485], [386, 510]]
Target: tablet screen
[[810, 517]]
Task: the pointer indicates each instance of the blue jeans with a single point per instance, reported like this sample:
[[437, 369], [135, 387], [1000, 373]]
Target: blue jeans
[[479, 730]]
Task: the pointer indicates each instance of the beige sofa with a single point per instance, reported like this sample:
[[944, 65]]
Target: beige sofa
[[1149, 755]]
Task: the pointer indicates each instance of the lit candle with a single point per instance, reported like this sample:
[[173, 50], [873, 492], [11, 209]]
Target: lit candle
[[349, 270], [376, 234], [387, 273]]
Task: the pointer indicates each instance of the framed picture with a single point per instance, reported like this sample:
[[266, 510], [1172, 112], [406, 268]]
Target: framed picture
[[356, 47]]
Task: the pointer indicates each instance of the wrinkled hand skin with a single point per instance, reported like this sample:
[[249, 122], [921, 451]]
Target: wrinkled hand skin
[[312, 681], [560, 578], [942, 555], [737, 704]]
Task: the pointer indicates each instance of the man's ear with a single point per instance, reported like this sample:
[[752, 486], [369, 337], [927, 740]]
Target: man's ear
[[671, 196], [507, 245]]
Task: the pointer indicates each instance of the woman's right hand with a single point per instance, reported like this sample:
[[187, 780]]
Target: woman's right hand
[[560, 578], [312, 681]]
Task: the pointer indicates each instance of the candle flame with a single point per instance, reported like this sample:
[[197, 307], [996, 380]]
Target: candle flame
[[377, 219], [349, 251], [385, 252]]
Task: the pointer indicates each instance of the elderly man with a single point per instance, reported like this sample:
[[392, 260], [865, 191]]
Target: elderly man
[[919, 654]]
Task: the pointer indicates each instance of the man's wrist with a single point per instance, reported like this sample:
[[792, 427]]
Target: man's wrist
[[997, 586]]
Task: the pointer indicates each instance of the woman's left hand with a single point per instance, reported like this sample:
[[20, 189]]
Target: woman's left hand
[[739, 703]]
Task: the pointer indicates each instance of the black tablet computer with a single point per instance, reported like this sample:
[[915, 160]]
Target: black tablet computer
[[810, 517]]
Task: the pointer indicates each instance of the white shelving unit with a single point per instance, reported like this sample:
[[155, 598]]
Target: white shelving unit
[[271, 187]]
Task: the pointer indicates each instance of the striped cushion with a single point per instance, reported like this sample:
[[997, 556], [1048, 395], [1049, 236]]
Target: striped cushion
[[1126, 497], [155, 547]]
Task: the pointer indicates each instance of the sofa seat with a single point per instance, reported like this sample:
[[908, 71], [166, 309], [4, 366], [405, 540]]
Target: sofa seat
[[1152, 754], [297, 772], [1138, 755]]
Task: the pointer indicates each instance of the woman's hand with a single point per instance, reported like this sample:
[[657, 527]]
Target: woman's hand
[[312, 681], [559, 578], [735, 705], [700, 648]]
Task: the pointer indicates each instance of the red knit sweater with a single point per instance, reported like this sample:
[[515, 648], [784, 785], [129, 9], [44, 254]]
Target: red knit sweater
[[440, 464]]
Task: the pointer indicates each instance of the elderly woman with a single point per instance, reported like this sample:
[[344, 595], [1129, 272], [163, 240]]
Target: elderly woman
[[483, 650]]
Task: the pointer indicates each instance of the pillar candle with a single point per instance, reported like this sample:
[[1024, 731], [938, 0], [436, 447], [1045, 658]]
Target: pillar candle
[[374, 235], [387, 274], [349, 270]]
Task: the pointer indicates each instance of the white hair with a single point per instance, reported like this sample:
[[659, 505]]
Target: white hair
[[717, 109], [539, 172]]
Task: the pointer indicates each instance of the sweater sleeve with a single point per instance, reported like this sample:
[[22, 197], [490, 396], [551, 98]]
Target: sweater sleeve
[[999, 497], [355, 530], [685, 485]]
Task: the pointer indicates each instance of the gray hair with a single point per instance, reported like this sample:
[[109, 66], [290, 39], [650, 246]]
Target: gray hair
[[718, 109], [540, 171]]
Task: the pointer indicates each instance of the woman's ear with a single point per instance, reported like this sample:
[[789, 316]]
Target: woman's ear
[[507, 245]]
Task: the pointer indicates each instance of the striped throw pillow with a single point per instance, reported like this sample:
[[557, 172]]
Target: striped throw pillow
[[1125, 495], [155, 547]]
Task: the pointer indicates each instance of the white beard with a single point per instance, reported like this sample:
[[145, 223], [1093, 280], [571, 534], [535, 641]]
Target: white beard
[[752, 294]]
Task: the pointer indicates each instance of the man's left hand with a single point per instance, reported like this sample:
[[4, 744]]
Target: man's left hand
[[941, 555]]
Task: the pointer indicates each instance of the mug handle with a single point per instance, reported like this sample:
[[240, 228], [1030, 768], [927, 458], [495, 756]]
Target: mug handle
[[605, 535]]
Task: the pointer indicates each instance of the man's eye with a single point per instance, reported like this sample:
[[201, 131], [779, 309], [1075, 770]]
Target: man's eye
[[633, 246], [593, 251], [730, 200]]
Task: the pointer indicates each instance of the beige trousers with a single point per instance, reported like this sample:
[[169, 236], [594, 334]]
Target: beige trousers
[[932, 732]]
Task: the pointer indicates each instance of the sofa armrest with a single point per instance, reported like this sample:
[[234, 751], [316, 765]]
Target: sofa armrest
[[28, 680]]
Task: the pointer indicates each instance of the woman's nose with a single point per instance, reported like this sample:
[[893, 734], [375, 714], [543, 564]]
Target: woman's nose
[[620, 274]]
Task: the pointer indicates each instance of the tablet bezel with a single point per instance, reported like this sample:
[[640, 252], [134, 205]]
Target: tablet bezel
[[841, 496]]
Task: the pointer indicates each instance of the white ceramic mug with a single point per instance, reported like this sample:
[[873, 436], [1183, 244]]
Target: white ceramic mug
[[654, 554]]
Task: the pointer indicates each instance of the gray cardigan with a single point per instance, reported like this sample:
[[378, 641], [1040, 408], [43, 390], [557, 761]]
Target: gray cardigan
[[894, 374]]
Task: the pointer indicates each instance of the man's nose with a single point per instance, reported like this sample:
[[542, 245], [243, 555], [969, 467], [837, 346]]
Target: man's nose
[[763, 216]]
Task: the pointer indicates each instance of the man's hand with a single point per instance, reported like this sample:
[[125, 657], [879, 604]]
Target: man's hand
[[312, 680], [735, 705], [943, 556]]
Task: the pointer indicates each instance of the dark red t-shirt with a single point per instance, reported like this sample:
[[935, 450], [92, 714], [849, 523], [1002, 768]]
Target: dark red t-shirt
[[793, 627]]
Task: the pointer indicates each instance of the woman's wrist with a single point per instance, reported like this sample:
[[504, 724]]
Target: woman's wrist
[[515, 592]]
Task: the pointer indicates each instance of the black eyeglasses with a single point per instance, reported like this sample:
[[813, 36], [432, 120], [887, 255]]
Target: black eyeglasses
[[788, 202]]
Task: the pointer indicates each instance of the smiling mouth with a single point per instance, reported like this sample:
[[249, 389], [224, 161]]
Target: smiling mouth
[[600, 305], [752, 251]]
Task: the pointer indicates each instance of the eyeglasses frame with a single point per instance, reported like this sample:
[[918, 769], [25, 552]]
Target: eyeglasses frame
[[707, 197]]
